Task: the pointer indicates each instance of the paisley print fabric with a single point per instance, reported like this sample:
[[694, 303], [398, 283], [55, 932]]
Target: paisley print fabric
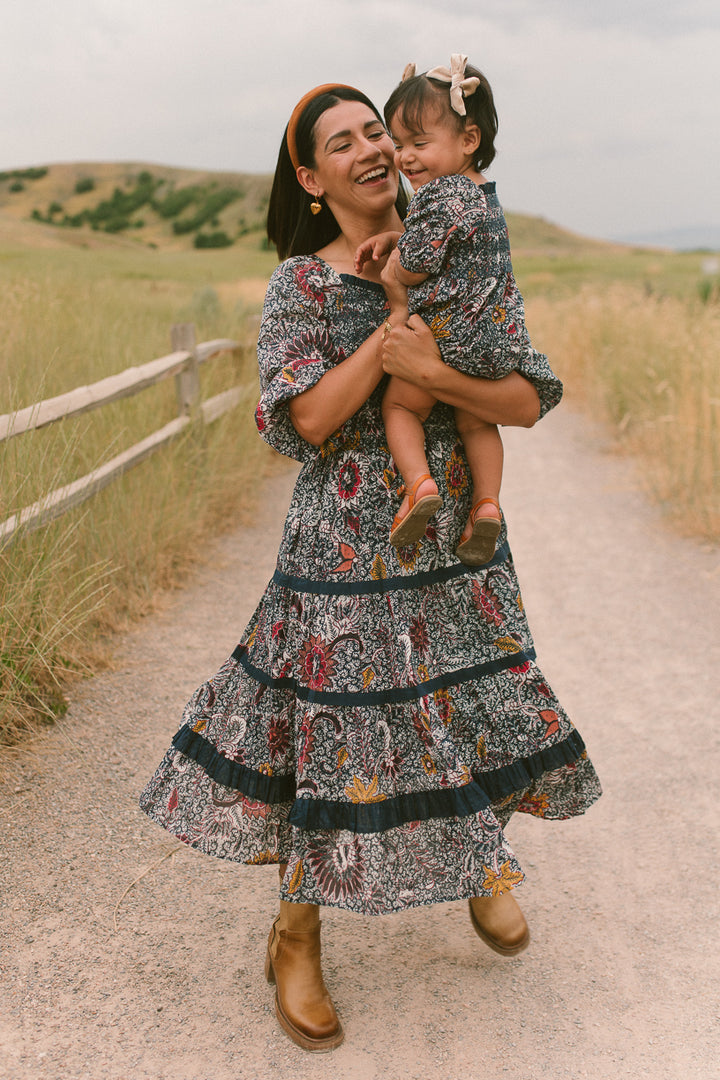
[[382, 714], [455, 231]]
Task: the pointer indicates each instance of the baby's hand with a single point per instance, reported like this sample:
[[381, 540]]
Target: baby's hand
[[376, 248]]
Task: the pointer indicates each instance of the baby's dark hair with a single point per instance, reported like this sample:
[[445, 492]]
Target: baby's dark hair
[[414, 97]]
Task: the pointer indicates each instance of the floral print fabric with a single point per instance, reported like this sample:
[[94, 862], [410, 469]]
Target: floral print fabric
[[455, 231], [382, 715]]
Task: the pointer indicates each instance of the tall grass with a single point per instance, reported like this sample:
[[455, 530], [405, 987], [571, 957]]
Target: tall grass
[[646, 365], [70, 318]]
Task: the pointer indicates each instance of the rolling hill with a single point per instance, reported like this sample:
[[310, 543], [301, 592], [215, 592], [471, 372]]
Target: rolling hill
[[90, 204], [85, 203]]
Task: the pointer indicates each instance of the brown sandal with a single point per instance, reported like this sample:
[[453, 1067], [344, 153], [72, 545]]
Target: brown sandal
[[411, 526], [479, 547]]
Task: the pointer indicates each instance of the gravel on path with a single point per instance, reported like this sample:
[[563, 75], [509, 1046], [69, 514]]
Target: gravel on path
[[125, 955]]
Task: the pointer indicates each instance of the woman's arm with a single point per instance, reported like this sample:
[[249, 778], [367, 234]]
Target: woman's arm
[[338, 395], [411, 353]]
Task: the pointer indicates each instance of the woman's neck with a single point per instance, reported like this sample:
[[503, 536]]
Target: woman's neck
[[340, 253]]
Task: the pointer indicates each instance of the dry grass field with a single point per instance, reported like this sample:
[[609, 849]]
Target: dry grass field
[[633, 333], [72, 316], [647, 366]]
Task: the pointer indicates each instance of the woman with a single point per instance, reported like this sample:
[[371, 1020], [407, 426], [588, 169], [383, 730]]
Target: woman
[[382, 716]]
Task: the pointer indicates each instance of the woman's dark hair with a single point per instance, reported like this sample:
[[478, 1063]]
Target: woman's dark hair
[[291, 228], [417, 95]]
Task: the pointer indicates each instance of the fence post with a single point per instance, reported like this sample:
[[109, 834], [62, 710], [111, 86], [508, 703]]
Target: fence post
[[187, 383]]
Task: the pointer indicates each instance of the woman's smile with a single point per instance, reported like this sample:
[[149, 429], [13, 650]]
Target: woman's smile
[[354, 151], [377, 174]]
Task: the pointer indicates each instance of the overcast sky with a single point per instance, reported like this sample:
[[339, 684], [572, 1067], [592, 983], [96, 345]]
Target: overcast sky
[[609, 112]]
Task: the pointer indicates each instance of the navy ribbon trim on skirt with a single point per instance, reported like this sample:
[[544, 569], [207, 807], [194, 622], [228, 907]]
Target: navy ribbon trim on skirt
[[327, 814], [382, 697], [231, 774], [312, 814], [388, 584], [505, 781]]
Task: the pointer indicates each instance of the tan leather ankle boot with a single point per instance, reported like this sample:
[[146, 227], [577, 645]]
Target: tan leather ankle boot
[[501, 924], [302, 1002]]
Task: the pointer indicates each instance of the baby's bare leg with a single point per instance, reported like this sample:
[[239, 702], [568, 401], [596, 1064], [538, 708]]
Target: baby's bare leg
[[484, 453], [405, 408]]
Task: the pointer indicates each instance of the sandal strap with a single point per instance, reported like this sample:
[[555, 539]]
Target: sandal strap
[[412, 492], [482, 502]]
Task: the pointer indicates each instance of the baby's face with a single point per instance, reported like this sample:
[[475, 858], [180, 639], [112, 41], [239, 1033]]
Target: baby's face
[[438, 150]]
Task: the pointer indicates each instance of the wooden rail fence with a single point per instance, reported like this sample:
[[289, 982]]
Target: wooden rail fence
[[183, 363]]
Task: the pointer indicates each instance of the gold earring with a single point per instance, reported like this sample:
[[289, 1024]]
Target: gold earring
[[316, 206]]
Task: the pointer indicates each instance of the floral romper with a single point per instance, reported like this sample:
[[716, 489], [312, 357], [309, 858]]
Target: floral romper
[[382, 715], [455, 231]]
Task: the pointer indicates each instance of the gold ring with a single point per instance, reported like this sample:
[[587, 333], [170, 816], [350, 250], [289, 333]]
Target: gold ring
[[386, 329]]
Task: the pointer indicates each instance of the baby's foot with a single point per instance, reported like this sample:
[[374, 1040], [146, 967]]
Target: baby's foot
[[416, 509], [426, 487], [477, 543]]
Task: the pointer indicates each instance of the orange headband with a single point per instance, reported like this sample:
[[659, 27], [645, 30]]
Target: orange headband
[[298, 111]]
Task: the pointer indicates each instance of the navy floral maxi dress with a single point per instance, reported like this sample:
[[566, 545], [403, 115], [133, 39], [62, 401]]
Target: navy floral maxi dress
[[382, 715]]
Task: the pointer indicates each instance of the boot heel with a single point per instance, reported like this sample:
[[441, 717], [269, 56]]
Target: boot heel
[[269, 973], [269, 970]]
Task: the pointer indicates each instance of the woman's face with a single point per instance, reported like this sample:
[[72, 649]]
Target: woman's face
[[354, 160]]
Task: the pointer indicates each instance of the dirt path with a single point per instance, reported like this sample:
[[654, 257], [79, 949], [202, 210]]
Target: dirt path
[[165, 980]]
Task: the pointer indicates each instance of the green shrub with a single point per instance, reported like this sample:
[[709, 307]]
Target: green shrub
[[212, 206], [204, 309], [122, 204], [176, 201], [707, 290], [85, 184], [116, 224], [24, 174], [17, 185], [212, 240]]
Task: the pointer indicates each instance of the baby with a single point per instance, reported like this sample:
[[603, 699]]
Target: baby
[[454, 256]]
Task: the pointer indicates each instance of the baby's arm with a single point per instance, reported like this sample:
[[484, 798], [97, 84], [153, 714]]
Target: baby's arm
[[376, 248], [406, 277]]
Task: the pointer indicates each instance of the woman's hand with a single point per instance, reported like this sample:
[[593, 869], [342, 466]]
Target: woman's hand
[[410, 352]]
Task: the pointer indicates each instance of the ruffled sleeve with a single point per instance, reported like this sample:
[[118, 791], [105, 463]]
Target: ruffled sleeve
[[534, 366], [437, 219], [294, 349]]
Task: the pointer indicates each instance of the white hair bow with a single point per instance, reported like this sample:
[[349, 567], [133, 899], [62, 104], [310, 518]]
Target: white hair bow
[[460, 87]]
